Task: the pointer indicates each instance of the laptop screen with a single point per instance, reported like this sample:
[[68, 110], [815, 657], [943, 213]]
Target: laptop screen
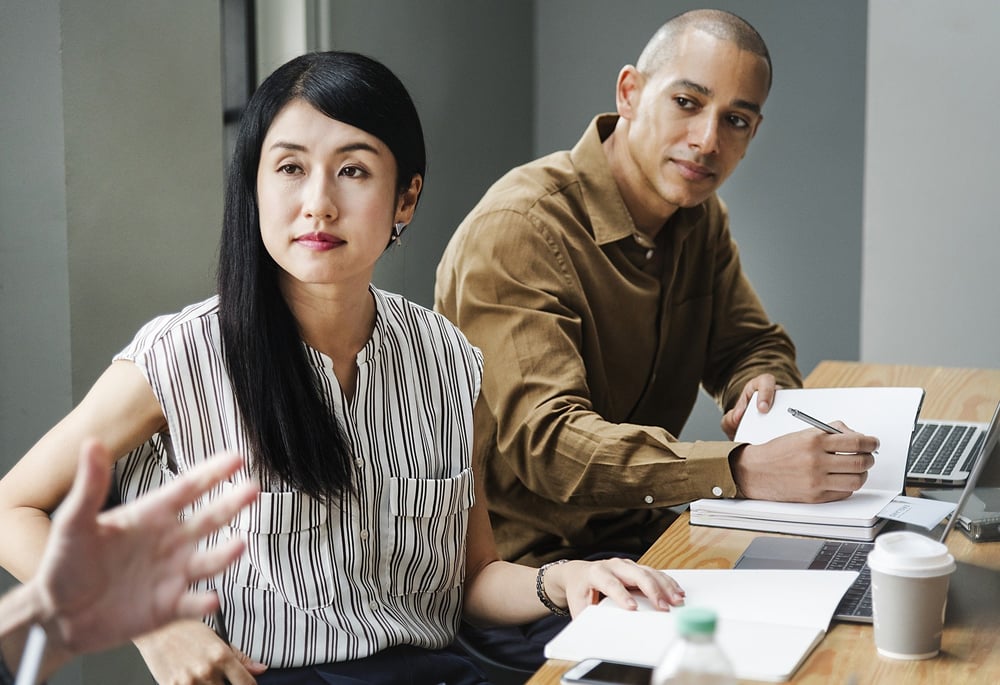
[[992, 434]]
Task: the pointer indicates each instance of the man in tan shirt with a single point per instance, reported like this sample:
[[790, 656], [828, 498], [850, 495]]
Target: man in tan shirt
[[603, 287]]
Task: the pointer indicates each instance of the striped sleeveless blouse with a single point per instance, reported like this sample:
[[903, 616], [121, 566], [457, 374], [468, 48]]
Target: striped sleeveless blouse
[[324, 582]]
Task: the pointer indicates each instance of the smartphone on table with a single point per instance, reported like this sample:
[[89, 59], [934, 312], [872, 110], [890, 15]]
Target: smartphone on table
[[600, 672]]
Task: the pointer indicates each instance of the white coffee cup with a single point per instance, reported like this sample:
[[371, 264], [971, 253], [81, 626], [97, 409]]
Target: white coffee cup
[[910, 575]]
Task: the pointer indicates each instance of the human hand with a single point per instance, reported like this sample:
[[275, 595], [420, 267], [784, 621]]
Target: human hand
[[574, 583], [764, 385], [806, 466], [207, 659], [106, 577]]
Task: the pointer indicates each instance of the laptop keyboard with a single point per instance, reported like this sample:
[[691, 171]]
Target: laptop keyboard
[[937, 447], [849, 556]]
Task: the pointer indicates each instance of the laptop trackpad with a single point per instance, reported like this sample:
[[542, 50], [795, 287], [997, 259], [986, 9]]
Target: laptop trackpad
[[771, 552]]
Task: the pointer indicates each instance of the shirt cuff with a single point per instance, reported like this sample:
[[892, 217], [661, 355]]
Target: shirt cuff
[[709, 471]]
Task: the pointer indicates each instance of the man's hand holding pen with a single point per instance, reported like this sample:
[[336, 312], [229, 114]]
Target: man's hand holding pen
[[811, 465]]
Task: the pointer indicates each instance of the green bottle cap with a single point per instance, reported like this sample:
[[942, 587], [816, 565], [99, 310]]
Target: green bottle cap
[[695, 620]]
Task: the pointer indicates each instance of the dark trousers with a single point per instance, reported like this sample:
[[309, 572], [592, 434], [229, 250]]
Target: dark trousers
[[401, 665]]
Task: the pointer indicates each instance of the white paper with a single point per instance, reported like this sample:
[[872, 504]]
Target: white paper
[[769, 620], [890, 414], [926, 513]]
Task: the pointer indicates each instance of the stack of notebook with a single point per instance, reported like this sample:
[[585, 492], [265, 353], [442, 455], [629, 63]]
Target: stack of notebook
[[888, 413]]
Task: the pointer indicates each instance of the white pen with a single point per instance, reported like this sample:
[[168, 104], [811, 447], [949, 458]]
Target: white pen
[[31, 657]]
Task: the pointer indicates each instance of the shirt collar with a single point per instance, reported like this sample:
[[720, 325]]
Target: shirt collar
[[609, 216]]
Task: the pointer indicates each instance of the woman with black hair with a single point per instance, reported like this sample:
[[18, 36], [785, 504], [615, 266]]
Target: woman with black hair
[[369, 542]]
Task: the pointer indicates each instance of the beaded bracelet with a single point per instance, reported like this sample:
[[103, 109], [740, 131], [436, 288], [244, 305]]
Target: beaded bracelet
[[543, 596]]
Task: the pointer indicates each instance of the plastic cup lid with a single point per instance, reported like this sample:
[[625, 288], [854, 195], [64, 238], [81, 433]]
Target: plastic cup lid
[[909, 554]]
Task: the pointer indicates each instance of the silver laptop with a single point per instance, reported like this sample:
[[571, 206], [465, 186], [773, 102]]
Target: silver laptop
[[944, 452], [794, 553]]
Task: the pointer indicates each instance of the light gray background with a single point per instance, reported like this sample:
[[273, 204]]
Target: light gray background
[[865, 193]]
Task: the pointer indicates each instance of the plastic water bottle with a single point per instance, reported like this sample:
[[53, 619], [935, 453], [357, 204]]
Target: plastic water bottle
[[694, 658]]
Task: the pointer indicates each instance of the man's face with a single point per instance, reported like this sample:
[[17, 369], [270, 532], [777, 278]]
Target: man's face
[[690, 122]]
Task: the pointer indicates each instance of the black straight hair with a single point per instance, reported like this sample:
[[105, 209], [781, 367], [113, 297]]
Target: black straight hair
[[293, 434]]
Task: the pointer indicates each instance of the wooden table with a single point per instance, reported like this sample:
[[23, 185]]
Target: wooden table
[[970, 646]]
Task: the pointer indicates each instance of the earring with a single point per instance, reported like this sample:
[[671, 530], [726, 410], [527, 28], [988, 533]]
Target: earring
[[397, 233]]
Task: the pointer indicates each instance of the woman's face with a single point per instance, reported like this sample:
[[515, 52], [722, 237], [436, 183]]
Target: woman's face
[[327, 197]]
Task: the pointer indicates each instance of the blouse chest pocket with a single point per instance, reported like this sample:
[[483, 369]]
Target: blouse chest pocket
[[288, 543], [430, 519]]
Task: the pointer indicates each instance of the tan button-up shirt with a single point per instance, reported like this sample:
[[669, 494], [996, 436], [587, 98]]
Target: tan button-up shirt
[[595, 340]]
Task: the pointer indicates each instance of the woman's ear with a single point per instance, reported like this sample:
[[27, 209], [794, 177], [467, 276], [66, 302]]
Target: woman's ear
[[407, 202]]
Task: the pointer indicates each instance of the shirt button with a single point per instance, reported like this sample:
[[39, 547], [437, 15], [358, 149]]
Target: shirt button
[[648, 499], [717, 491], [364, 535], [373, 606], [359, 462]]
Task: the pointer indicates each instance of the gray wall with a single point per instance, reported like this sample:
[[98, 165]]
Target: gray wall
[[110, 189], [469, 68], [931, 233], [142, 98], [36, 387], [34, 281], [795, 201], [110, 201]]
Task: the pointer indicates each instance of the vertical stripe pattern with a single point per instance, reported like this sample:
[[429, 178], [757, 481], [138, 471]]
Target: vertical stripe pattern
[[321, 581]]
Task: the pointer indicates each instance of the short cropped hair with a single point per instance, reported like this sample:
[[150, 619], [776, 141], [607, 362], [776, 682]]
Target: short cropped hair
[[719, 23]]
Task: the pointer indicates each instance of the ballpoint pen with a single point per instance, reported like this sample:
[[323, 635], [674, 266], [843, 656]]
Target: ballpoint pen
[[816, 423]]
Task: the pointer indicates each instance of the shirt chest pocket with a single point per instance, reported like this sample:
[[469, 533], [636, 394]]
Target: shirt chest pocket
[[288, 543], [430, 519]]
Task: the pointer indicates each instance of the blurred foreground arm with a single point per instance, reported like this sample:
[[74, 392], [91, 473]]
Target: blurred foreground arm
[[106, 577]]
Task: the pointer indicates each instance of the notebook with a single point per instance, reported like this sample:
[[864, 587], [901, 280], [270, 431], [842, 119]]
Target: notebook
[[792, 553], [769, 621], [944, 452], [889, 413]]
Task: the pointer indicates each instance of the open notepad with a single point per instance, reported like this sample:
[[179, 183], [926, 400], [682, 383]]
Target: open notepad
[[769, 621], [890, 414]]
